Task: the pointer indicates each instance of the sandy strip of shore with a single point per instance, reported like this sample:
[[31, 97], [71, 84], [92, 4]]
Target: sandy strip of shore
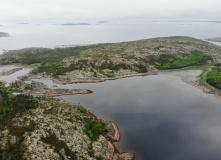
[[193, 77]]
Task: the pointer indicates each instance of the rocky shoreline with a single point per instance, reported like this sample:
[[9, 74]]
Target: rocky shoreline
[[207, 88], [114, 135], [217, 39], [62, 92], [89, 80]]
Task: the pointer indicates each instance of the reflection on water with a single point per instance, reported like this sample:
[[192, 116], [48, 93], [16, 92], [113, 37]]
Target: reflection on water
[[161, 116]]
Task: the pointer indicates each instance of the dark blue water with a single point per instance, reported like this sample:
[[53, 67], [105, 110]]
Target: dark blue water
[[160, 116]]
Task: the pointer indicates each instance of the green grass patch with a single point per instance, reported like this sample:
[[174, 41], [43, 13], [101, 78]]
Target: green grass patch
[[214, 77], [204, 76], [188, 68], [94, 129], [82, 110], [172, 62], [35, 64]]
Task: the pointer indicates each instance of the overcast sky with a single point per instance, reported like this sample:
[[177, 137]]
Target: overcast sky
[[110, 9]]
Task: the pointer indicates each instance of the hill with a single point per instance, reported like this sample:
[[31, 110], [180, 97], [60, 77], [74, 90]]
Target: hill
[[34, 127], [110, 60]]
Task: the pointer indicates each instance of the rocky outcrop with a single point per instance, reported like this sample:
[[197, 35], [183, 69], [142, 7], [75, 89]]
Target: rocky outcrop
[[66, 122], [217, 39]]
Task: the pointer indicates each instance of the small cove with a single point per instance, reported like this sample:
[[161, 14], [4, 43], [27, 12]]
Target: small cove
[[14, 76], [160, 116]]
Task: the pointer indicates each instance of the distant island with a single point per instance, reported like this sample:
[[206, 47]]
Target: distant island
[[4, 34], [40, 126], [75, 24]]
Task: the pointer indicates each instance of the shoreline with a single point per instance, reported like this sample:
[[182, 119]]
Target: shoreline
[[68, 92], [207, 88], [116, 154], [196, 81], [89, 80], [111, 137]]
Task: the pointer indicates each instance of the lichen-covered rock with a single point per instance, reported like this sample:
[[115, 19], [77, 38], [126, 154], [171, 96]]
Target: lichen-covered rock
[[65, 124]]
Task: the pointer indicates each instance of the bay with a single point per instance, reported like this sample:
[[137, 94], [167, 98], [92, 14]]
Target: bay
[[160, 116]]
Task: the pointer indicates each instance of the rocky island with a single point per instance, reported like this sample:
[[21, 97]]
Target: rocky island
[[4, 34], [47, 128]]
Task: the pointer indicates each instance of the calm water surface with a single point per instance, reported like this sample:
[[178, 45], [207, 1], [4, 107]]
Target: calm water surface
[[52, 34], [160, 116]]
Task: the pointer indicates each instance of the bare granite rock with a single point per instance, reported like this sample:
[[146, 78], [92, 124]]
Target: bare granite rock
[[217, 39]]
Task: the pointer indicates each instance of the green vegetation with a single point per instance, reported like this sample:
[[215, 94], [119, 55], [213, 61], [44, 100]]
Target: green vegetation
[[82, 110], [172, 62], [90, 150], [58, 145], [218, 64], [11, 151], [110, 60], [16, 150], [204, 76], [42, 56], [10, 106], [36, 64], [214, 77], [94, 129], [141, 68], [56, 69]]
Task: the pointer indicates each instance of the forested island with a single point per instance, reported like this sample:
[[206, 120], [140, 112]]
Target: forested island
[[31, 123]]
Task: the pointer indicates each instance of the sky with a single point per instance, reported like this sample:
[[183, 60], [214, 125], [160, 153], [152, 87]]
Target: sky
[[109, 9]]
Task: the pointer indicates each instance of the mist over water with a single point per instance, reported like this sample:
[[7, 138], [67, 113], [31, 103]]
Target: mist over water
[[23, 35]]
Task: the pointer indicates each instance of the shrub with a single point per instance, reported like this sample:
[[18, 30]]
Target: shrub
[[94, 129]]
